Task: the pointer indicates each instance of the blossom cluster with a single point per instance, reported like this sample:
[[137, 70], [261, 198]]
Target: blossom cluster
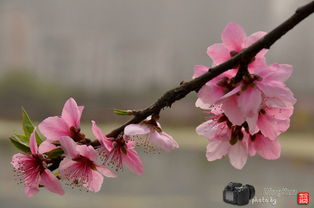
[[249, 107], [67, 155], [246, 115]]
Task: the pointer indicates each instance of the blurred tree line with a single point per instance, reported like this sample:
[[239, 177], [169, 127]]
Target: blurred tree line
[[42, 99]]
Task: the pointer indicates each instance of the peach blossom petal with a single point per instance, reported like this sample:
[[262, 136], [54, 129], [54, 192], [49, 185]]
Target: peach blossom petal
[[233, 37], [51, 183], [53, 128], [71, 113]]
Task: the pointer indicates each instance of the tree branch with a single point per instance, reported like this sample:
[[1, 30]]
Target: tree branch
[[181, 91]]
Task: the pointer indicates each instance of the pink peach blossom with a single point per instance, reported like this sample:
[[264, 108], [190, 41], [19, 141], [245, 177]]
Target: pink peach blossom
[[34, 169], [265, 88], [269, 149], [271, 122], [80, 167], [234, 40], [225, 139], [118, 151], [212, 90], [249, 117], [150, 131], [249, 114], [53, 128]]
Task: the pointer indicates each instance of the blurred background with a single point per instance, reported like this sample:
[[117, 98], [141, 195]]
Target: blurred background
[[124, 54]]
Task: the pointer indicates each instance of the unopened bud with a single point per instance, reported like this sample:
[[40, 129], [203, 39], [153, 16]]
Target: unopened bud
[[123, 112]]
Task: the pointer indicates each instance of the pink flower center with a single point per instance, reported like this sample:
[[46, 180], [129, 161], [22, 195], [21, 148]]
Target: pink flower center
[[236, 131], [80, 173], [30, 169], [249, 81], [227, 84], [76, 134], [40, 162], [114, 157], [85, 162], [236, 134]]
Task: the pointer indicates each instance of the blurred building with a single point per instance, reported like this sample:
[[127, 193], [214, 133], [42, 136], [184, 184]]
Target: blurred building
[[135, 44]]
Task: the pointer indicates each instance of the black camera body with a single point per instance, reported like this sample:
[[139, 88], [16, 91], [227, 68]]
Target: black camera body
[[238, 194]]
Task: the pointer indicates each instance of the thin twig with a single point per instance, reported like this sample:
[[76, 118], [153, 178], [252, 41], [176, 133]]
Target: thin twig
[[181, 91]]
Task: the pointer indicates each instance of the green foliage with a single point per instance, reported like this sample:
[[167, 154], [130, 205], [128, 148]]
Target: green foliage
[[16, 141], [21, 141], [22, 138], [28, 127], [55, 153]]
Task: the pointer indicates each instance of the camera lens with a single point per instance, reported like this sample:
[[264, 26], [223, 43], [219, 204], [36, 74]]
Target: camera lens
[[252, 190], [229, 196]]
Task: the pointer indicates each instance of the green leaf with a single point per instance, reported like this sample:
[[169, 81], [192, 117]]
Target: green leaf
[[55, 153], [21, 141], [123, 112], [22, 138], [20, 145], [39, 139], [28, 128], [28, 125]]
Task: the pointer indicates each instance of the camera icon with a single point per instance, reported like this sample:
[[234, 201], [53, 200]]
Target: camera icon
[[238, 194]]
